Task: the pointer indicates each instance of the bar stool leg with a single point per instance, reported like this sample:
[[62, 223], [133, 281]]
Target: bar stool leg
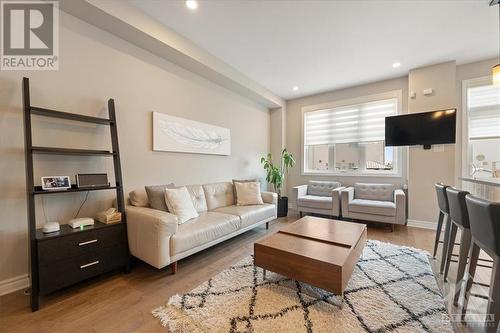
[[494, 298], [473, 257], [438, 233], [447, 230], [462, 262], [451, 243]]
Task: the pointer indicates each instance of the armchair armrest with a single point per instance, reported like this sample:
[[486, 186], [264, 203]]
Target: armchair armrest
[[299, 191], [346, 196], [400, 201], [269, 197], [336, 206], [149, 232]]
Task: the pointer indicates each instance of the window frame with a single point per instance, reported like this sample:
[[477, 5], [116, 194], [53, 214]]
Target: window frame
[[466, 153], [397, 171]]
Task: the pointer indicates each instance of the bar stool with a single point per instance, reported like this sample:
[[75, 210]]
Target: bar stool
[[459, 220], [442, 218], [485, 229]]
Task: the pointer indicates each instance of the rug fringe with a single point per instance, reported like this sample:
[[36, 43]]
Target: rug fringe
[[175, 320]]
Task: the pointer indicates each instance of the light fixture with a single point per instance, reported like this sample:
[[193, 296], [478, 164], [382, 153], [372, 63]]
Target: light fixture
[[495, 71], [396, 65], [192, 4], [295, 88]]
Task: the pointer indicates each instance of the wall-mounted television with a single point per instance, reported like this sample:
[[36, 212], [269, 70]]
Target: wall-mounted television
[[425, 128]]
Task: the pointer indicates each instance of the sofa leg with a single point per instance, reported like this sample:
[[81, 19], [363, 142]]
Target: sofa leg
[[173, 266], [300, 214], [392, 227], [267, 225]]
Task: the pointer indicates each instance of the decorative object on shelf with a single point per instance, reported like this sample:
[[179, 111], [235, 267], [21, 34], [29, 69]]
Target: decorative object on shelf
[[188, 136], [50, 227], [90, 180], [109, 216], [81, 222], [51, 183], [60, 259], [276, 176]]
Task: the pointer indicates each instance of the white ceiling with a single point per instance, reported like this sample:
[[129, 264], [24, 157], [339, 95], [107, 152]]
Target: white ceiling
[[326, 45]]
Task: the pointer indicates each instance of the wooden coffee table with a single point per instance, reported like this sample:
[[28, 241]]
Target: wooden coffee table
[[317, 251]]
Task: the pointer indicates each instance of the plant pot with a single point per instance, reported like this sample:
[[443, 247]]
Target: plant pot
[[282, 206]]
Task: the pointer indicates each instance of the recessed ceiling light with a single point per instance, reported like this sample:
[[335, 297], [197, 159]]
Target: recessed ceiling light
[[192, 4], [295, 88], [396, 65]]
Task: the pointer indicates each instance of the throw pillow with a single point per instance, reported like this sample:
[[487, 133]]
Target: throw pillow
[[179, 202], [248, 194], [240, 181], [156, 196]]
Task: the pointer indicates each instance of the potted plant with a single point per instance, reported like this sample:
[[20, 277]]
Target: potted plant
[[276, 176]]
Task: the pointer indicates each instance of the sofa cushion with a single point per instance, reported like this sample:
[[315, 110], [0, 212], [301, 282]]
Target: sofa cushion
[[138, 198], [374, 207], [380, 192], [205, 228], [219, 195], [314, 201], [198, 197], [320, 188], [250, 214], [180, 204], [248, 194], [156, 196], [240, 181]]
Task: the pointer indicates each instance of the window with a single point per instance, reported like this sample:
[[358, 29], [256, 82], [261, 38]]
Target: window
[[482, 125], [348, 137]]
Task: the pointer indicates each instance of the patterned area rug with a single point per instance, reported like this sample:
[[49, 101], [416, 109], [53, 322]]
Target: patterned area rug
[[392, 289]]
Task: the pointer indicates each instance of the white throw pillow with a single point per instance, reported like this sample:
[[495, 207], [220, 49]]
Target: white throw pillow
[[179, 203], [248, 194]]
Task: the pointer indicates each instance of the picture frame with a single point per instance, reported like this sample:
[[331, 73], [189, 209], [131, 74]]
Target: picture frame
[[51, 183], [175, 134]]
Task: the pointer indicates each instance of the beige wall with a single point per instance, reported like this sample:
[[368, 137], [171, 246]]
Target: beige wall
[[294, 129], [95, 66], [426, 167]]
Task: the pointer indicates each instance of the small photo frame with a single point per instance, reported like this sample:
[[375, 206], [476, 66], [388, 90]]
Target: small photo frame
[[56, 183]]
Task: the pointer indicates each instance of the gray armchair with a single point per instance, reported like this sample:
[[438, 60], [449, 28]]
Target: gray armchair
[[318, 197], [374, 202]]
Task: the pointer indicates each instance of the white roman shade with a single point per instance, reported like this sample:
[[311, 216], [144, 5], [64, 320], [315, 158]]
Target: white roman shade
[[484, 112], [362, 122]]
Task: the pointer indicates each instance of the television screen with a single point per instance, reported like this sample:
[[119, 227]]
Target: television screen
[[426, 128]]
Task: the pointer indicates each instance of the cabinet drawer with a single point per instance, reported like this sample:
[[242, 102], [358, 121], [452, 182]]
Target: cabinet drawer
[[69, 246], [60, 274]]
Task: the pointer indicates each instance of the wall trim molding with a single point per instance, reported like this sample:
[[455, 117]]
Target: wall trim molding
[[13, 284], [422, 224]]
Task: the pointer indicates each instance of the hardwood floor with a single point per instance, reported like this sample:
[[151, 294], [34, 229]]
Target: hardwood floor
[[123, 302]]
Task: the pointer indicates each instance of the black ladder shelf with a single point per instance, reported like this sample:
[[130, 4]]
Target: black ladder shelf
[[32, 191]]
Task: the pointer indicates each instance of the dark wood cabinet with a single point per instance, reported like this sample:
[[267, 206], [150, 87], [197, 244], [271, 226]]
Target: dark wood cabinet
[[73, 255]]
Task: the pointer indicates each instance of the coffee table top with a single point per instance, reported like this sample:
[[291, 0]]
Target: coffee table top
[[325, 240]]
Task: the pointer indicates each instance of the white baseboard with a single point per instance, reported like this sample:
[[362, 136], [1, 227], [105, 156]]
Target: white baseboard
[[13, 284], [422, 224]]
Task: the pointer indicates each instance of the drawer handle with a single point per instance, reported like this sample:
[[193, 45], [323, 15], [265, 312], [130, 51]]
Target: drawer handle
[[89, 264], [87, 242]]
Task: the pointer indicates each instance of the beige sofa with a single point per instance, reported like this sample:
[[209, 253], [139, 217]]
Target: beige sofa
[[155, 236], [374, 202], [320, 197]]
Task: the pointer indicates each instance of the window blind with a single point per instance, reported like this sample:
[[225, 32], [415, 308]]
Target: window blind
[[483, 105], [354, 123]]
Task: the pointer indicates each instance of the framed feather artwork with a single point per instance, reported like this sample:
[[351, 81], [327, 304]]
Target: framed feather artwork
[[188, 136]]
